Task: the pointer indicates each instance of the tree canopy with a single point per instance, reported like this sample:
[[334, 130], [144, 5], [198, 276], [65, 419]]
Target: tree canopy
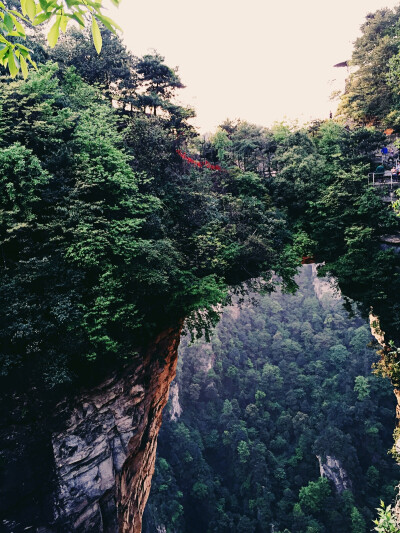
[[16, 16], [371, 93], [285, 378]]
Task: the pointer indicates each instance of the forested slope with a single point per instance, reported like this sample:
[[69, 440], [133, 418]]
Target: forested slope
[[285, 379]]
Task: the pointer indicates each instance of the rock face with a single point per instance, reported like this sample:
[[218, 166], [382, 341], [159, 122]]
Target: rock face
[[176, 408], [376, 329], [333, 470], [324, 288], [391, 242], [380, 337], [104, 451]]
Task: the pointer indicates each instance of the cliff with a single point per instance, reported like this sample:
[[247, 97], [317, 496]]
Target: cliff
[[332, 469], [93, 472]]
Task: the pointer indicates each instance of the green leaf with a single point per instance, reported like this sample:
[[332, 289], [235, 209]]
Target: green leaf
[[13, 64], [23, 7], [95, 5], [52, 36], [33, 63], [20, 29], [41, 18], [17, 14], [63, 22], [22, 47], [109, 23], [24, 53], [96, 35], [3, 52], [8, 22], [24, 67], [79, 18], [30, 8], [52, 6]]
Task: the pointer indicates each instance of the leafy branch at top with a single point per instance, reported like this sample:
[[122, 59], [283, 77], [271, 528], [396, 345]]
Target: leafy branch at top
[[16, 57]]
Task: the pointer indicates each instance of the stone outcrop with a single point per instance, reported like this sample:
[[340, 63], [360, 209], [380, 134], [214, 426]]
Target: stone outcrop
[[104, 449], [375, 327], [175, 407], [324, 288], [391, 242], [332, 469]]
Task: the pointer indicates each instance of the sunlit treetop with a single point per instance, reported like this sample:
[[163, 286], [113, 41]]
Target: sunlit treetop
[[56, 14]]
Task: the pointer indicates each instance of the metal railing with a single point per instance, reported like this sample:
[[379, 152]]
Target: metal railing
[[384, 178]]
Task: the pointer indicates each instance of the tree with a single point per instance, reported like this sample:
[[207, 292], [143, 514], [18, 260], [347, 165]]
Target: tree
[[15, 56], [386, 521], [312, 497], [243, 451], [157, 80], [113, 70], [361, 387], [357, 521], [369, 97]]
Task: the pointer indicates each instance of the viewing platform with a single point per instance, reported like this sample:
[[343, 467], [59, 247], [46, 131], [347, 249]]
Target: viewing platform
[[380, 179], [388, 183]]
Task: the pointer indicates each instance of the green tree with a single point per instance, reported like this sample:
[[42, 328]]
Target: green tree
[[312, 497], [243, 451], [113, 70], [357, 522], [361, 387], [157, 81], [386, 522], [368, 96], [16, 56]]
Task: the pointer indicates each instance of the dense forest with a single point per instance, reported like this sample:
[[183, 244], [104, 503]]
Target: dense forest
[[99, 204], [284, 380], [117, 221]]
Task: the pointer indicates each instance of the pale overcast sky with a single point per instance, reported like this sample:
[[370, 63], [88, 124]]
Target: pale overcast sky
[[257, 60]]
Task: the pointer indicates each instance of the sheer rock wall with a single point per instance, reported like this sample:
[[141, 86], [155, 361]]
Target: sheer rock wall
[[102, 455]]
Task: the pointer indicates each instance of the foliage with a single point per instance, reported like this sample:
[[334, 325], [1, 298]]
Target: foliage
[[385, 523], [284, 378], [371, 94], [97, 208], [107, 237], [113, 70], [15, 56], [313, 497], [158, 80]]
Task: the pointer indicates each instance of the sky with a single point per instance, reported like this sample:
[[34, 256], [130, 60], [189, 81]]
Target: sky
[[256, 60]]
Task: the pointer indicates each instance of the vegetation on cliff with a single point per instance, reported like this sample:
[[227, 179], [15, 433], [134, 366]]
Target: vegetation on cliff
[[106, 235]]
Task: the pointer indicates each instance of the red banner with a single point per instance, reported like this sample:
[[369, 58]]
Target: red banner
[[198, 164]]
